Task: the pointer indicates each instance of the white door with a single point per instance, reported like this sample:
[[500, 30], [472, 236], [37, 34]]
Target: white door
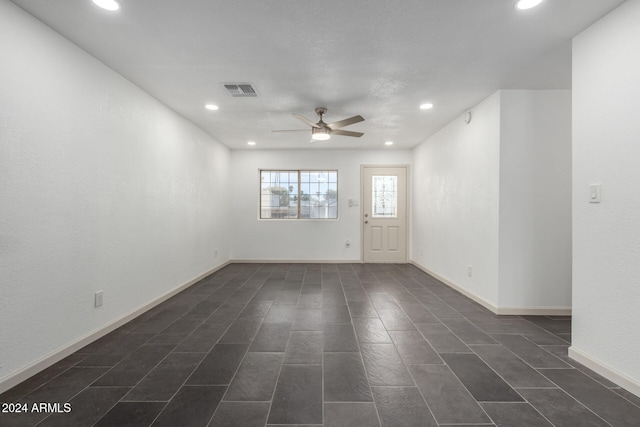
[[384, 222]]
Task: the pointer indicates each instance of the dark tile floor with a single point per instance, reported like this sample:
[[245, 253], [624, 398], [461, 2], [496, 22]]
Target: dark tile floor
[[333, 345]]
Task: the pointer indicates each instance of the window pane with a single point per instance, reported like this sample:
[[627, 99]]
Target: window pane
[[385, 196], [278, 189], [329, 189]]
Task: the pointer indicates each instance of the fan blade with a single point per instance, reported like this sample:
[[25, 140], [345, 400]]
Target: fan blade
[[291, 130], [345, 122], [346, 133], [306, 121]]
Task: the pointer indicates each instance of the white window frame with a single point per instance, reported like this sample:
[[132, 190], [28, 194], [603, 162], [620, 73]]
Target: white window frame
[[299, 195]]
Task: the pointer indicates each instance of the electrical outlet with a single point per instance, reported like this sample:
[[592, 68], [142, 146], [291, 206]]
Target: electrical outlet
[[348, 243], [215, 253], [98, 299], [469, 271]]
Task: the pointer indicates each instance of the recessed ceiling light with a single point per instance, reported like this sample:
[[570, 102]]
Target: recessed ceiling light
[[527, 4], [251, 143], [426, 106], [388, 143], [107, 4], [211, 107]]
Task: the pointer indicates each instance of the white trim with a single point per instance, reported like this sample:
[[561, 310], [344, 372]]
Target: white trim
[[296, 261], [501, 311], [486, 304], [534, 311], [44, 362], [610, 373]]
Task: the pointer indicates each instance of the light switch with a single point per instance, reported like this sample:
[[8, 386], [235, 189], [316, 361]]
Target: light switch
[[98, 299], [594, 193]]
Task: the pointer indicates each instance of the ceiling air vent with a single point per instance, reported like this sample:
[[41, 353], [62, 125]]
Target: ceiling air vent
[[240, 90]]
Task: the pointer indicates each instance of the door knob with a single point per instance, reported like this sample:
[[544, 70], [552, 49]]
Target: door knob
[[366, 222]]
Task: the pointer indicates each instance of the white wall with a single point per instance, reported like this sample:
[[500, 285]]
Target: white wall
[[456, 200], [300, 240], [606, 236], [535, 199], [495, 194], [101, 188]]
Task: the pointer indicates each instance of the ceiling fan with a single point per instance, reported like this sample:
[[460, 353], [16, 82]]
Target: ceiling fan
[[322, 131]]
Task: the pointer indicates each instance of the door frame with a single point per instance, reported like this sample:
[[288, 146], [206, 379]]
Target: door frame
[[407, 208]]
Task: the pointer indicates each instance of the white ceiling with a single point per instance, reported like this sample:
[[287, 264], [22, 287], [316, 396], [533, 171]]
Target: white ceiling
[[377, 58]]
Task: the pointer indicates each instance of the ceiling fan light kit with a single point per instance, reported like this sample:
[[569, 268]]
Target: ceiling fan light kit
[[320, 134]]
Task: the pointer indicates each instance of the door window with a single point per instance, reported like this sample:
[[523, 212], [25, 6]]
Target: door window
[[384, 196]]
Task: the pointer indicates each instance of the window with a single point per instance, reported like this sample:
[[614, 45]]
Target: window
[[296, 194], [385, 196]]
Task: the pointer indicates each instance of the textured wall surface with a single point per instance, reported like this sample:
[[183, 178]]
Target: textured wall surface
[[535, 198], [495, 194], [300, 239], [606, 151], [101, 188], [456, 199]]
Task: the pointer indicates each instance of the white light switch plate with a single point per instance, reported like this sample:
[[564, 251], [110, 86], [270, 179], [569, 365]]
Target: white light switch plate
[[98, 299]]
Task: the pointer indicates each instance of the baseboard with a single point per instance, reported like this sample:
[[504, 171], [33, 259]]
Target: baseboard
[[534, 311], [483, 302], [501, 311], [610, 373], [296, 261], [44, 362]]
